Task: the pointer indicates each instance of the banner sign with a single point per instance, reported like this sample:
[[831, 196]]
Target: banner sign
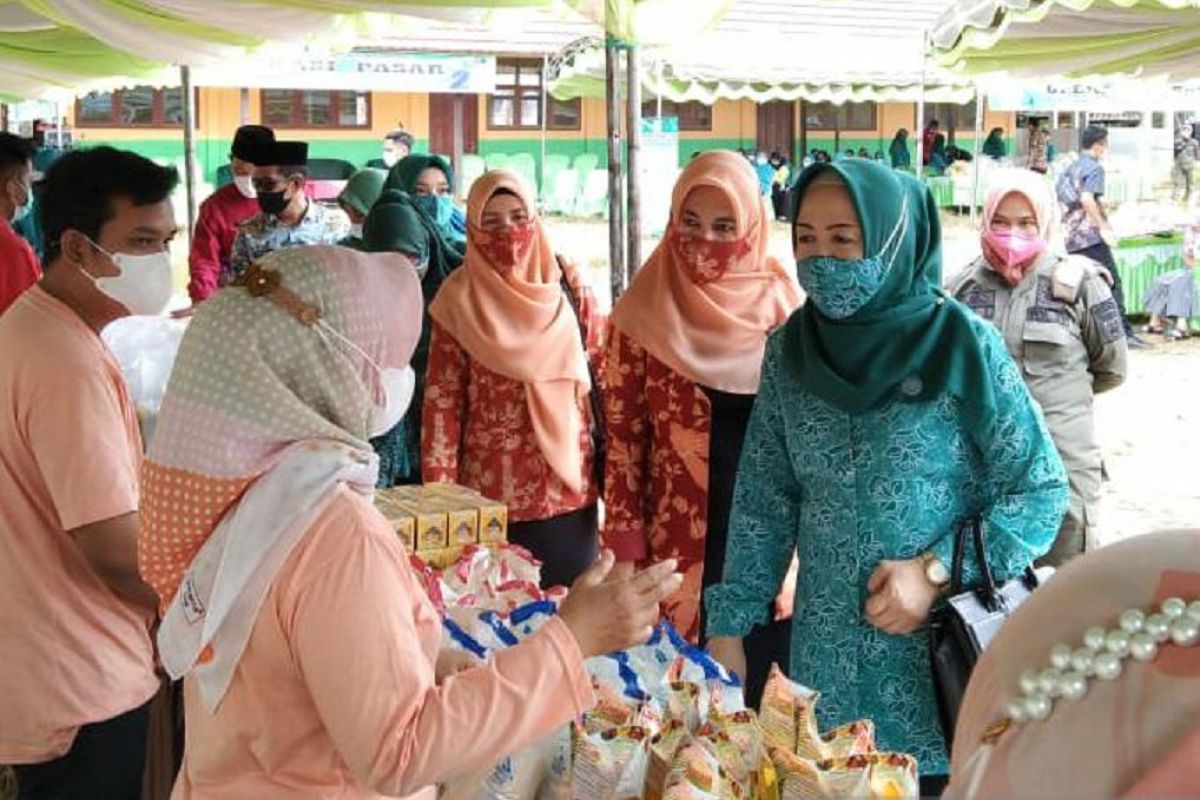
[[658, 164], [1115, 96], [382, 72]]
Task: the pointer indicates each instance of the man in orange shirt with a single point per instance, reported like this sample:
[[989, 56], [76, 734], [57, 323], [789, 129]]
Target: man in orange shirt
[[18, 264], [77, 671]]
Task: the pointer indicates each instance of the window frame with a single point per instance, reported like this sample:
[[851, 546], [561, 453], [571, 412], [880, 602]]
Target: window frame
[[521, 92], [296, 119], [840, 117], [687, 114], [158, 113]]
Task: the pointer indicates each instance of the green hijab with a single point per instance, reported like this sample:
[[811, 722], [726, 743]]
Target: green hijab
[[363, 189], [405, 172], [911, 340]]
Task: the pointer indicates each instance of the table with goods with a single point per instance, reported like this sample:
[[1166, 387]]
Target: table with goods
[[670, 723]]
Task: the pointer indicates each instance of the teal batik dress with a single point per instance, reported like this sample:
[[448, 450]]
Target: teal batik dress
[[850, 491]]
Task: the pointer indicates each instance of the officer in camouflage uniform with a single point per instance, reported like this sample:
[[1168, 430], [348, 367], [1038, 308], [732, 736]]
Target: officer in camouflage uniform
[[1061, 325]]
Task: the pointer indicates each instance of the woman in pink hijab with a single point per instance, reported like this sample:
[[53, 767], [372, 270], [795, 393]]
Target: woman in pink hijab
[[682, 370], [1093, 688], [1061, 324]]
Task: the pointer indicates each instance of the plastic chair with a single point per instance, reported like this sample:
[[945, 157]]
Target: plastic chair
[[524, 165], [593, 202], [551, 167], [330, 169], [496, 161], [564, 193], [586, 162], [471, 169]]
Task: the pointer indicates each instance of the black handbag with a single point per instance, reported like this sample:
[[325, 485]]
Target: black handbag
[[963, 626], [595, 402]]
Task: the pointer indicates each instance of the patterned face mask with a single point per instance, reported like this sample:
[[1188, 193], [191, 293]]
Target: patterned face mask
[[706, 260], [841, 287], [505, 248]]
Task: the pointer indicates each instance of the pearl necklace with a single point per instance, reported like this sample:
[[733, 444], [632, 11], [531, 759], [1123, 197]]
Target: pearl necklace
[[1138, 635]]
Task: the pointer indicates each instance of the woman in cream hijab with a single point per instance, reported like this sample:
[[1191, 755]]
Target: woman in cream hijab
[[1115, 637]]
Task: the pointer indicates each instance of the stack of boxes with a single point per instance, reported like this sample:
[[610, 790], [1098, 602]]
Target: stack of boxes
[[437, 521]]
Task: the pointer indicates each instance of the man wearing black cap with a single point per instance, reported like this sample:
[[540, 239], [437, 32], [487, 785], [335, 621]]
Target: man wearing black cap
[[287, 217], [222, 213]]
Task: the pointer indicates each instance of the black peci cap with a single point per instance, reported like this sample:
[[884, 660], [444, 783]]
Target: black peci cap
[[248, 138], [279, 154]]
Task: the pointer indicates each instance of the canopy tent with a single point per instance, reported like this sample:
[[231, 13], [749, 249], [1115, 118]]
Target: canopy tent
[[1075, 38], [682, 75]]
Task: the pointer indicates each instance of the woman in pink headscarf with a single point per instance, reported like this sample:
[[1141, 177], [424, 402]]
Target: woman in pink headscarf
[[309, 650], [682, 370], [507, 400], [1093, 688], [1061, 324]]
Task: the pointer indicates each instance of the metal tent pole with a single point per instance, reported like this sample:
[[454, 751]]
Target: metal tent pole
[[919, 133], [977, 149], [633, 132], [545, 190], [189, 144], [616, 227]]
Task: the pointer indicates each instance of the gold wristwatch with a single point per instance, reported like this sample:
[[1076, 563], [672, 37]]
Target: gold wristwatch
[[935, 571]]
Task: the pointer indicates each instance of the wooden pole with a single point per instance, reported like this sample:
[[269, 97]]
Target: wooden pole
[[616, 227], [189, 144], [633, 130]]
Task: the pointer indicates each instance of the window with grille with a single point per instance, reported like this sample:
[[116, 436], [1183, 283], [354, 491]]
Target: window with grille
[[315, 108]]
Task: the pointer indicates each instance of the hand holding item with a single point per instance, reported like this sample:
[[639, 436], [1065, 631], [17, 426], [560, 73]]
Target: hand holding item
[[901, 596], [607, 614], [786, 600], [729, 653]]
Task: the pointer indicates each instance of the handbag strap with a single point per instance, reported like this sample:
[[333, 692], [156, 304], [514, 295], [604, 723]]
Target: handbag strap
[[986, 590], [599, 435]]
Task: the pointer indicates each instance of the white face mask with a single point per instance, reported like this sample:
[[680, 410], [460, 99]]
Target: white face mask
[[356, 230], [245, 185], [144, 285], [399, 385]]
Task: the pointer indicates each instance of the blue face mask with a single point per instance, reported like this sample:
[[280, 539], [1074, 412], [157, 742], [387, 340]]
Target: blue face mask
[[440, 207], [840, 287]]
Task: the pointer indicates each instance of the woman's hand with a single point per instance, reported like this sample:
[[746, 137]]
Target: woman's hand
[[451, 662], [729, 653], [607, 613], [785, 601], [901, 597]]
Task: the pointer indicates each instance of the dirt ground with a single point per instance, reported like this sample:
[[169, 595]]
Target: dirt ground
[[1149, 429]]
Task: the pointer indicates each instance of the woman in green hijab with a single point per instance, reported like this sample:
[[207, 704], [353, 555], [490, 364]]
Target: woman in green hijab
[[429, 180], [993, 145], [887, 415], [356, 199], [398, 224], [898, 150]]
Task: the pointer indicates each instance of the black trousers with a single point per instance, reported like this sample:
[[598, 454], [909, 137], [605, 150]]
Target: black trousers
[[1101, 253], [105, 761], [566, 545]]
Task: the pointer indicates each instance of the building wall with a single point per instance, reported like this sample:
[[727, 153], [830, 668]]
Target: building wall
[[734, 127]]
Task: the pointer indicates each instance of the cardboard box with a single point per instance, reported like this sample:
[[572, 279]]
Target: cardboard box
[[493, 522], [402, 520], [463, 524], [432, 528]]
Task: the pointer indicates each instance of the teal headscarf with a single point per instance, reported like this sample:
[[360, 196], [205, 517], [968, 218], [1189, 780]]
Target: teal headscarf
[[363, 189], [993, 146], [438, 208], [396, 224], [911, 340], [899, 150]]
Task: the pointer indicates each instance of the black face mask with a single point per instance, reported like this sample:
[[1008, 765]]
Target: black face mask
[[273, 202]]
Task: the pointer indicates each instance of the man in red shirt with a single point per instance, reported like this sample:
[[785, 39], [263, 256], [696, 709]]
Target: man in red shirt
[[19, 268], [220, 215]]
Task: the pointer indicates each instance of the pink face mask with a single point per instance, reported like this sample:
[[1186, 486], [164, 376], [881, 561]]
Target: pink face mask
[[1011, 253]]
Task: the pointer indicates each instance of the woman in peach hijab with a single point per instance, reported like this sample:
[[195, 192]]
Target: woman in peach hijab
[[1093, 688], [681, 374], [506, 409]]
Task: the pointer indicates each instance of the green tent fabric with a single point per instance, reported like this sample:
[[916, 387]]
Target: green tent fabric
[[1073, 38], [49, 46]]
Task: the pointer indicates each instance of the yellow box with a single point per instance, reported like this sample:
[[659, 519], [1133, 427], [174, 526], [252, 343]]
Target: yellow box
[[463, 524], [441, 559], [402, 520], [432, 531], [493, 522]]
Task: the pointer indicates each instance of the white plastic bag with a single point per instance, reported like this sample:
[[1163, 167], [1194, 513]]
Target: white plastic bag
[[146, 347]]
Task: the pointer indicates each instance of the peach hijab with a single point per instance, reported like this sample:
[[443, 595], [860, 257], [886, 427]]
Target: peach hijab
[[712, 333], [518, 323], [1135, 736]]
